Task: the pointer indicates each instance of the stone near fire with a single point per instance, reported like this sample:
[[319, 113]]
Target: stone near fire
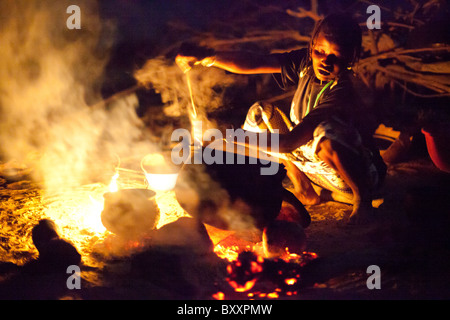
[[281, 235], [55, 254], [58, 254], [180, 259], [43, 232], [130, 213], [184, 232]]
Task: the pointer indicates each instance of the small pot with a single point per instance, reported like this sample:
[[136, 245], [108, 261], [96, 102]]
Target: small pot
[[438, 148], [160, 173]]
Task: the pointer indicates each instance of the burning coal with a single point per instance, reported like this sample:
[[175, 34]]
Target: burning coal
[[254, 276]]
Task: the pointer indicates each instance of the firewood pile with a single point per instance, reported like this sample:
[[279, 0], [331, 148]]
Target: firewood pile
[[409, 52]]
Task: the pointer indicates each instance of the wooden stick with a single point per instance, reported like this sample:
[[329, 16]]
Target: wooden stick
[[393, 54], [419, 94]]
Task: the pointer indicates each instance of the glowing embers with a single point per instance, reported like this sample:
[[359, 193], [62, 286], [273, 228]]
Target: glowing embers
[[229, 253], [257, 277], [245, 271]]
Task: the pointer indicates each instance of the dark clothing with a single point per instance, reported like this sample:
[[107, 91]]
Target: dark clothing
[[334, 102], [315, 102]]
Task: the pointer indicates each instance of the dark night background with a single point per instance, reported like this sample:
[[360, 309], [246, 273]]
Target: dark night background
[[146, 29], [406, 91]]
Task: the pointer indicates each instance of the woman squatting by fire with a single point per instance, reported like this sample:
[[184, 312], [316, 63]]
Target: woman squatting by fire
[[327, 140]]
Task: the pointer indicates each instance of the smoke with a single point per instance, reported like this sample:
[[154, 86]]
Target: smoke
[[50, 77], [166, 78], [198, 192]]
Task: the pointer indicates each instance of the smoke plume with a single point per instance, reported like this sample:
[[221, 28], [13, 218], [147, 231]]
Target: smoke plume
[[50, 78], [50, 85]]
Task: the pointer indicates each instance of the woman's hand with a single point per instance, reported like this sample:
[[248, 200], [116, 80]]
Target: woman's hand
[[190, 55], [185, 62]]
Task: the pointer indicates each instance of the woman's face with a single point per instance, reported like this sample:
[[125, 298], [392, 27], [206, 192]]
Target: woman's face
[[327, 59]]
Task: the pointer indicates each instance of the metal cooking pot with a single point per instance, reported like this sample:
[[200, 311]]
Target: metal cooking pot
[[233, 196]]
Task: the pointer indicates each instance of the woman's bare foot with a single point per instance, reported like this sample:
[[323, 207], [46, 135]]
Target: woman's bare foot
[[362, 213], [303, 189], [307, 197]]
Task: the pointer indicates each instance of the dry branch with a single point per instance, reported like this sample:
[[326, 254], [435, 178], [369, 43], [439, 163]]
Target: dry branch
[[405, 67], [402, 52], [385, 59], [302, 13], [430, 82], [256, 36]]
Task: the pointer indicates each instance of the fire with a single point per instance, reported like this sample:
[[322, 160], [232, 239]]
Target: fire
[[170, 209], [92, 218], [113, 187], [290, 281], [219, 295], [244, 272], [242, 288], [228, 253], [272, 295], [77, 213], [249, 269], [249, 272]]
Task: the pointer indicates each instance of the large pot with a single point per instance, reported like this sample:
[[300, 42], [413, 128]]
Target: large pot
[[438, 147], [231, 196]]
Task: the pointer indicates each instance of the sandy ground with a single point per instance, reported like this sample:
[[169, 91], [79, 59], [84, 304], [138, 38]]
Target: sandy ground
[[408, 240]]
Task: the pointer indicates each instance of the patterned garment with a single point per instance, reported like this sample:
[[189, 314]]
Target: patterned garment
[[264, 116]]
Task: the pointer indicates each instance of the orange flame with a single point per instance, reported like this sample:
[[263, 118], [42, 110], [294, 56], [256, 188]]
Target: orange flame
[[290, 281], [244, 273], [242, 288], [113, 187], [219, 296]]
